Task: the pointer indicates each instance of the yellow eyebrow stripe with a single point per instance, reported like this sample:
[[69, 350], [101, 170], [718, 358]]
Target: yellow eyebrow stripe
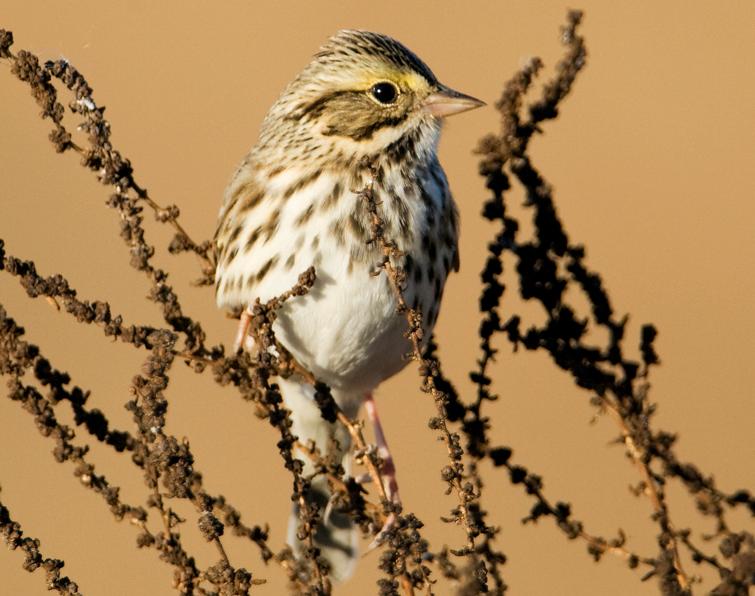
[[404, 79]]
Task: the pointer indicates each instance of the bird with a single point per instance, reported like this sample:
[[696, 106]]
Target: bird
[[366, 111]]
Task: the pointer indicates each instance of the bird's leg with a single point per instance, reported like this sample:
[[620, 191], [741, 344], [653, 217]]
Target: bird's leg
[[243, 331], [388, 470]]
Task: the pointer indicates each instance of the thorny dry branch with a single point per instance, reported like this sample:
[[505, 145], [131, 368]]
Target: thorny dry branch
[[618, 385]]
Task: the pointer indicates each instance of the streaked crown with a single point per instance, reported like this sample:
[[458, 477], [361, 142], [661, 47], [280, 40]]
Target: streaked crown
[[368, 55]]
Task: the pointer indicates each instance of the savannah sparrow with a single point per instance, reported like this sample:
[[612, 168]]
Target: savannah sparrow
[[366, 110]]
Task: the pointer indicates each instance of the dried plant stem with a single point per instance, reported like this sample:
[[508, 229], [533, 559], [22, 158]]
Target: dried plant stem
[[546, 266], [428, 368], [641, 459], [14, 539]]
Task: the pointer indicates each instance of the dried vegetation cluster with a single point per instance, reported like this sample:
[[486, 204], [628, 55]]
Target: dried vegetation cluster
[[549, 269]]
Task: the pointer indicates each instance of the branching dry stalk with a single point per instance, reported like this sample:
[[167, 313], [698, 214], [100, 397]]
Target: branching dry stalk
[[618, 385], [468, 511], [396, 278]]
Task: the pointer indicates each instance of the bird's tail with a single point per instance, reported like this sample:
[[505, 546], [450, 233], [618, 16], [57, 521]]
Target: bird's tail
[[335, 535]]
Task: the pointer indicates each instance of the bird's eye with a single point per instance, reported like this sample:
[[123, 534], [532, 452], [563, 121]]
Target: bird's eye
[[384, 92]]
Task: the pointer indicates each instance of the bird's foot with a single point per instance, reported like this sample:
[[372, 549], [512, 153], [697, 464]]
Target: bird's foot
[[387, 472]]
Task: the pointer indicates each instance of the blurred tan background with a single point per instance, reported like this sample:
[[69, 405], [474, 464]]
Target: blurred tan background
[[652, 162]]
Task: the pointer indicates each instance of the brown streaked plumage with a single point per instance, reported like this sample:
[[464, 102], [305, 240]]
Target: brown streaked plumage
[[365, 111]]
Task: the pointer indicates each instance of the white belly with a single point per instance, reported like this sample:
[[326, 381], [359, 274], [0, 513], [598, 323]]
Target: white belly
[[346, 331]]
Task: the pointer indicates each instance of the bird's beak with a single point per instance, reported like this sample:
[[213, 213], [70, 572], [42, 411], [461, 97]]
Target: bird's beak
[[447, 102]]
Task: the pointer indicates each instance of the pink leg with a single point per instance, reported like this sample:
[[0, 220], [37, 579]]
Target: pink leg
[[388, 471], [243, 330]]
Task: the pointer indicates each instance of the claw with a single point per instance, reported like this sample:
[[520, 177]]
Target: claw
[[363, 478], [381, 535]]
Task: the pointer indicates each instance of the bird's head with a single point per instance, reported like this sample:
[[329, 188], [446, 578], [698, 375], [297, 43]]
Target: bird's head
[[368, 90]]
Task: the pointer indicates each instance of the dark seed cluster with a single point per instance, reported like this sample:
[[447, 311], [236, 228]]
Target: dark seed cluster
[[14, 538], [548, 265]]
